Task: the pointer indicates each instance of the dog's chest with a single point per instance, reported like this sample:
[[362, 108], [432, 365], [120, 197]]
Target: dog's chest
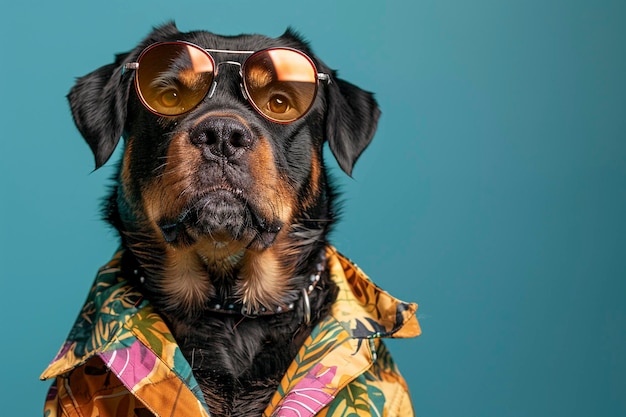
[[239, 363]]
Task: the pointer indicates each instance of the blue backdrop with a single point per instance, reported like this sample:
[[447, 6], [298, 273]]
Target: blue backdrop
[[493, 195]]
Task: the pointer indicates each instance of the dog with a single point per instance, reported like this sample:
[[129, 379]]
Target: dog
[[226, 297]]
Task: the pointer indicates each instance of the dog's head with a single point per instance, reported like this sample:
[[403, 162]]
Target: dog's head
[[218, 197]]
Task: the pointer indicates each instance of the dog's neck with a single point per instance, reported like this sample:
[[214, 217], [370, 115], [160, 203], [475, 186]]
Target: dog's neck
[[226, 301], [187, 281]]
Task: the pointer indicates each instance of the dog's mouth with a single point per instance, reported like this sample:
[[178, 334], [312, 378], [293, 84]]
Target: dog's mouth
[[223, 215]]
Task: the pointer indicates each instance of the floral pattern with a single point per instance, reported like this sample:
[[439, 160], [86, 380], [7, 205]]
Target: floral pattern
[[120, 359]]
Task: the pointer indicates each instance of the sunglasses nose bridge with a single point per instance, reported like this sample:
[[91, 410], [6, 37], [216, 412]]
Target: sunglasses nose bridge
[[216, 75]]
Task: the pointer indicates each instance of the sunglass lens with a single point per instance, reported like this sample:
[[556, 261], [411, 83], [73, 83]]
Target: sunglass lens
[[281, 83], [173, 78]]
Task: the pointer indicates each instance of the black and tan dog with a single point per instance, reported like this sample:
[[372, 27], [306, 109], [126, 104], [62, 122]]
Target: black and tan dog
[[223, 205]]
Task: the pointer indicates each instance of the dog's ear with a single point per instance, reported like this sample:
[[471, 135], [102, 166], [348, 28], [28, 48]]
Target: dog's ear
[[351, 121], [98, 100], [98, 104]]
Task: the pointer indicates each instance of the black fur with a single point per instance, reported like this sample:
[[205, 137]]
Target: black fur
[[237, 360]]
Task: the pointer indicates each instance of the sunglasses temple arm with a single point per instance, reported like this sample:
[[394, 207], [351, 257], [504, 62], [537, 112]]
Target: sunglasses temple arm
[[324, 77], [130, 66]]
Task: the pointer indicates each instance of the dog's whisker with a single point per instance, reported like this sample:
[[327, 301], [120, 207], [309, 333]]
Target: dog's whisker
[[160, 167], [185, 190]]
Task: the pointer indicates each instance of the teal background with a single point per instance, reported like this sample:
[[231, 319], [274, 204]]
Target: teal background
[[493, 195]]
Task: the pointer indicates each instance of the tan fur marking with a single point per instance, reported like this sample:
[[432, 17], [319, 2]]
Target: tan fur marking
[[316, 171], [125, 173], [274, 195], [258, 77], [166, 195], [190, 78], [313, 190], [186, 282], [263, 279], [219, 256]]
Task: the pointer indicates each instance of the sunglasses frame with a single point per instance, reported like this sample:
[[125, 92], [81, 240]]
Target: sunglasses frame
[[134, 66]]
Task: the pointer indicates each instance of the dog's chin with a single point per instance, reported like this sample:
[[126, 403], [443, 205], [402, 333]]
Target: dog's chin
[[223, 217]]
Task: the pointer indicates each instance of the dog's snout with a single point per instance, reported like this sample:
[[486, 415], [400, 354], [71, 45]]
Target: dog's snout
[[222, 137]]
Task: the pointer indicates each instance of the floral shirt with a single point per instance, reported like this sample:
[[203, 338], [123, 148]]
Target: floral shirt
[[121, 360]]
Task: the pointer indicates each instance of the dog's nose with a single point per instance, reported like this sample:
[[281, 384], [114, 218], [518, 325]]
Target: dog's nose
[[222, 136]]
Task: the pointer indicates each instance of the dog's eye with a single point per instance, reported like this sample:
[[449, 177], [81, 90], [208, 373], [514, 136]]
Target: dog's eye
[[170, 97], [278, 103]]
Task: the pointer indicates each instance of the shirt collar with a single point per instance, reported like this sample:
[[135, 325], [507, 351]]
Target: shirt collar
[[116, 317], [364, 309], [343, 345], [111, 302]]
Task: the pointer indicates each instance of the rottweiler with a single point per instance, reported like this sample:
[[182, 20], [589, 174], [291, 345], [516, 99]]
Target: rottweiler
[[223, 204]]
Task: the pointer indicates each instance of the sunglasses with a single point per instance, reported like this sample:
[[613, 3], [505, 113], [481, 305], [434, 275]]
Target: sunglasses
[[172, 78]]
